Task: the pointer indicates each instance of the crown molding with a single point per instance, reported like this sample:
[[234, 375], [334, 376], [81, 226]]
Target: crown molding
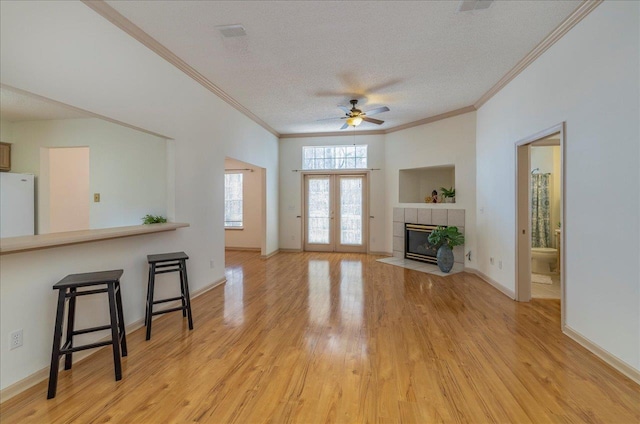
[[428, 120], [434, 118], [116, 18], [112, 15], [333, 134], [586, 7]]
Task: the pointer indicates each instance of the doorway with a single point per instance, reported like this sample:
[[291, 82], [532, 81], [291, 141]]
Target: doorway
[[335, 210], [245, 221], [540, 223], [63, 190]]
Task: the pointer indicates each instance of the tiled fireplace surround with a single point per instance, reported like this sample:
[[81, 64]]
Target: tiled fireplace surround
[[426, 216]]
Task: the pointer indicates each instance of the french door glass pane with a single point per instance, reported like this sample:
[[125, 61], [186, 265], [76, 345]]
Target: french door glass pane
[[319, 213], [351, 211]]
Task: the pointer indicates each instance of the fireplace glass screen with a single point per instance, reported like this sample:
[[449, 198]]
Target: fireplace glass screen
[[417, 244]]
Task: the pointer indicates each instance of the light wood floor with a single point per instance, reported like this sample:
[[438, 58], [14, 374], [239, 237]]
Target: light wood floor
[[310, 338]]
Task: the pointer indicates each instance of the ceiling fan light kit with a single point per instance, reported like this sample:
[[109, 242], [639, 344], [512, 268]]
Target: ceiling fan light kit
[[355, 121], [355, 116]]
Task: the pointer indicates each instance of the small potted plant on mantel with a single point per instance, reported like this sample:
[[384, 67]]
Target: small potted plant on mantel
[[448, 195], [445, 239]]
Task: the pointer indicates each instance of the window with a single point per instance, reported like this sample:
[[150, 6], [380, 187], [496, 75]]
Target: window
[[233, 200], [334, 157]]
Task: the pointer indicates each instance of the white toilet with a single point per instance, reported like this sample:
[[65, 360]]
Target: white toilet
[[543, 259]]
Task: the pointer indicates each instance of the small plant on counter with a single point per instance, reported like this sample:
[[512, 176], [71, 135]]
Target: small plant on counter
[[448, 194], [154, 219]]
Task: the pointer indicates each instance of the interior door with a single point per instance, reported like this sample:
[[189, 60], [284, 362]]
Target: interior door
[[335, 213]]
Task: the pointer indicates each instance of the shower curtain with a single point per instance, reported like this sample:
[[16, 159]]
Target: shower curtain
[[540, 211]]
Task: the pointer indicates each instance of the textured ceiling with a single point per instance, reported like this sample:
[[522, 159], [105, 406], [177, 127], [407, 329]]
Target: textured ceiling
[[300, 59], [16, 106]]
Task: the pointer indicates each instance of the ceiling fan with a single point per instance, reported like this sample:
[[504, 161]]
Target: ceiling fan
[[355, 116]]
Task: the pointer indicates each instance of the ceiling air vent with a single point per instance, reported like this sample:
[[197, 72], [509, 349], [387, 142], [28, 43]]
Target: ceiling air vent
[[468, 5], [236, 30]]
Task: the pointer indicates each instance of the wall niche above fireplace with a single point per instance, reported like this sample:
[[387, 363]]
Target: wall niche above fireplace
[[417, 183]]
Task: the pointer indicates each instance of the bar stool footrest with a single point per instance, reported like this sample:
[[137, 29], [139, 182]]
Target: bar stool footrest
[[168, 300], [66, 349], [177, 308], [92, 329]]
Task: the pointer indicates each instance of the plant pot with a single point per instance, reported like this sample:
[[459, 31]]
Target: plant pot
[[445, 258]]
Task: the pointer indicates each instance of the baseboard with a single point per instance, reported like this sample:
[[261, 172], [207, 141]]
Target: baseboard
[[269, 255], [290, 250], [507, 292], [621, 366], [43, 374], [243, 249], [22, 385], [380, 253]]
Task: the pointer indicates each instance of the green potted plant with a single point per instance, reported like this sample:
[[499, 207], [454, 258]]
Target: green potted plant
[[445, 239], [154, 219], [448, 195]]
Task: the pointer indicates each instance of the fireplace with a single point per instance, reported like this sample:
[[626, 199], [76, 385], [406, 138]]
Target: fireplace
[[417, 244]]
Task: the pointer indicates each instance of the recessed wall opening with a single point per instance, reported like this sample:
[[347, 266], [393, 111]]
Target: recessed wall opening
[[420, 185]]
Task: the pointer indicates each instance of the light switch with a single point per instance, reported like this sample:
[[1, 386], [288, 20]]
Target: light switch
[[96, 197]]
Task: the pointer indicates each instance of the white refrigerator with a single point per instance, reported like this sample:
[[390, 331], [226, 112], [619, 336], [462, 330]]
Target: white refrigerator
[[16, 205]]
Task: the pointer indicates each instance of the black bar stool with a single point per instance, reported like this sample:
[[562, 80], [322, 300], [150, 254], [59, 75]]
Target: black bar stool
[[160, 264], [68, 289]]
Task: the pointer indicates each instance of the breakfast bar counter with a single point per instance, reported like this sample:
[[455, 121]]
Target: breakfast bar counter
[[45, 241]]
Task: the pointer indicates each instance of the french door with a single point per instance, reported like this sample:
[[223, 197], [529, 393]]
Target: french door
[[335, 212]]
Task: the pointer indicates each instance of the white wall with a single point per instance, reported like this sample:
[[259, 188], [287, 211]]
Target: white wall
[[589, 79], [127, 167], [291, 187], [250, 236], [445, 142], [6, 131], [66, 52]]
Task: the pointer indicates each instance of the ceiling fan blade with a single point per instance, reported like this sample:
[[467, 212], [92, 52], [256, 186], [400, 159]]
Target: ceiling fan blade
[[345, 126], [330, 119], [344, 108], [373, 121], [377, 110]]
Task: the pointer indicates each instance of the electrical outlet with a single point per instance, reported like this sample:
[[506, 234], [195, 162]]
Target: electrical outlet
[[96, 197], [15, 339], [212, 263], [500, 264], [293, 238], [491, 261]]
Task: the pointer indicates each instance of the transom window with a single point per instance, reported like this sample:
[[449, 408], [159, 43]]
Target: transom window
[[334, 157], [233, 200]]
